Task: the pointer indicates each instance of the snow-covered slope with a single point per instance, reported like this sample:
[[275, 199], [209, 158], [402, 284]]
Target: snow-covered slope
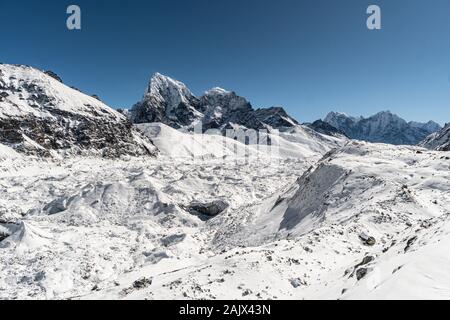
[[170, 102], [110, 218], [383, 127], [184, 145], [439, 140], [297, 142], [358, 178], [366, 221], [39, 114], [7, 153]]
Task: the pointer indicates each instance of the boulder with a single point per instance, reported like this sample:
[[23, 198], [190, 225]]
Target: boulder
[[297, 282], [142, 283], [361, 273], [367, 240], [209, 209]]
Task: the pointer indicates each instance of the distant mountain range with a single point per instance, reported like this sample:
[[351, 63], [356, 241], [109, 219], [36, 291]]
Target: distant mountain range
[[39, 113], [170, 102], [383, 127]]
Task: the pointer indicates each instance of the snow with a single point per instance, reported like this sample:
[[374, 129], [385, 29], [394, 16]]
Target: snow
[[307, 216], [88, 228], [169, 101], [439, 140], [383, 127], [7, 153], [299, 143], [168, 90], [217, 91], [41, 115], [26, 237], [14, 78]]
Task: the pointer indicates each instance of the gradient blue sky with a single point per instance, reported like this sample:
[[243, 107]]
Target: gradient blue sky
[[309, 56]]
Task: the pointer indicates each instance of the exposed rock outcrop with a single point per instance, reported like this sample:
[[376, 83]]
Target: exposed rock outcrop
[[39, 115], [172, 103]]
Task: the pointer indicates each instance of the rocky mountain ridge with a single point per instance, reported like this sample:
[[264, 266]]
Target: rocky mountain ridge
[[170, 102], [40, 115], [383, 127]]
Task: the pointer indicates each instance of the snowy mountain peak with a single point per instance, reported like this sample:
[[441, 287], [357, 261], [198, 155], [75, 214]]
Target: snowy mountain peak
[[325, 128], [41, 115], [170, 102], [335, 118], [166, 100], [430, 126], [28, 91], [384, 127], [158, 81], [334, 114], [387, 116], [164, 87]]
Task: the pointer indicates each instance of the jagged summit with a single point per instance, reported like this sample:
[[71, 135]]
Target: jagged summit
[[170, 102], [166, 87], [384, 127], [166, 100], [40, 115]]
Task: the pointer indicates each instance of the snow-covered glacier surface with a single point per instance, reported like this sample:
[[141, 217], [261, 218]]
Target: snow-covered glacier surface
[[94, 207], [349, 220]]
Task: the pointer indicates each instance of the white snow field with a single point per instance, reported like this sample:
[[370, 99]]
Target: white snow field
[[326, 219], [92, 207]]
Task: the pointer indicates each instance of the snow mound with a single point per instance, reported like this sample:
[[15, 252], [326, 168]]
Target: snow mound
[[117, 202]]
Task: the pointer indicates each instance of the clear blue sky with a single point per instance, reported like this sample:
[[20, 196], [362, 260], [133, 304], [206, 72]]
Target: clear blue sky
[[309, 56]]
